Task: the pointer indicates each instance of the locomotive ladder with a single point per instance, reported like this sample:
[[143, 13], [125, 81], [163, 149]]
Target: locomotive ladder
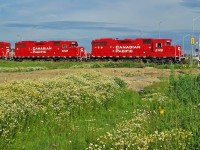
[[78, 58], [87, 57]]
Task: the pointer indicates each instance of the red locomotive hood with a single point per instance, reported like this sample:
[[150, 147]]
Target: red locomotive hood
[[81, 48], [178, 47]]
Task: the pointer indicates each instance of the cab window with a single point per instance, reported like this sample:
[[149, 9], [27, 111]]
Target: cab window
[[168, 43], [158, 45], [73, 44]]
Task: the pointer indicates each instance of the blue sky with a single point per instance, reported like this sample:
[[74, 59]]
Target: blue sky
[[84, 20]]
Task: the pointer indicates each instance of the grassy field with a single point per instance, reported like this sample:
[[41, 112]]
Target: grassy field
[[95, 111], [27, 66]]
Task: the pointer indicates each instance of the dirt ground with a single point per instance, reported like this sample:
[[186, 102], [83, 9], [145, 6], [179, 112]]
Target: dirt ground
[[137, 78]]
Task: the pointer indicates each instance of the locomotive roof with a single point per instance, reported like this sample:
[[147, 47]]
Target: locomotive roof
[[1, 42], [46, 41], [101, 39], [61, 41]]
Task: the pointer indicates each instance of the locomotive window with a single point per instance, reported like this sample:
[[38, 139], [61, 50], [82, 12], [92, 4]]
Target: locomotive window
[[56, 43], [146, 41], [124, 42], [99, 43], [74, 45], [168, 43], [158, 45], [39, 44], [20, 45], [64, 46]]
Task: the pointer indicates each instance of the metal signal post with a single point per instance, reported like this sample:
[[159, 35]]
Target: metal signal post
[[192, 40]]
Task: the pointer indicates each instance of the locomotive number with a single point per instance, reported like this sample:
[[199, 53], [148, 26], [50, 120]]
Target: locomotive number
[[159, 50], [65, 51]]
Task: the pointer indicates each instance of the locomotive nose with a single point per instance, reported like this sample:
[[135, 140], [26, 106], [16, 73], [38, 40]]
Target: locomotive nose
[[82, 49]]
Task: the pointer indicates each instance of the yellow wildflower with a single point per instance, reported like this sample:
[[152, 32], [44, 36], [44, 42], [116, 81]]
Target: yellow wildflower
[[161, 110]]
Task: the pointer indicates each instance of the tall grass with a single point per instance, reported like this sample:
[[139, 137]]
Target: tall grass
[[95, 111], [67, 111], [177, 109], [186, 94], [167, 118]]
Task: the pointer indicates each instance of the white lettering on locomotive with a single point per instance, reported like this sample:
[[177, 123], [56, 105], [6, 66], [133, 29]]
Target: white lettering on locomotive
[[65, 50], [128, 47], [158, 50], [123, 51], [39, 52], [41, 48]]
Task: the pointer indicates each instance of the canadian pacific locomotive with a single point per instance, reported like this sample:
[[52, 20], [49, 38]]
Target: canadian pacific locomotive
[[136, 49], [146, 49], [48, 50]]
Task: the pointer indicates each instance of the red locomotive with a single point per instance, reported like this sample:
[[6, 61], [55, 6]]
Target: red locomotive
[[140, 48], [146, 49], [48, 50], [5, 50]]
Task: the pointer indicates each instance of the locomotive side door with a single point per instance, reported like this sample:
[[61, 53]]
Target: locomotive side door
[[147, 47]]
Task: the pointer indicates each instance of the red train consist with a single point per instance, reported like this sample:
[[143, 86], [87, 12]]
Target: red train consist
[[5, 50], [146, 49], [141, 48], [48, 50]]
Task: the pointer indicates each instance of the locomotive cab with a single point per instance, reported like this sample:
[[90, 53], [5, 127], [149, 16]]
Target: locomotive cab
[[74, 44], [163, 49]]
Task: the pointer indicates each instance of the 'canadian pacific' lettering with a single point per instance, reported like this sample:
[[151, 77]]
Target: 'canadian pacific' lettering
[[42, 48], [128, 47], [123, 51], [39, 52]]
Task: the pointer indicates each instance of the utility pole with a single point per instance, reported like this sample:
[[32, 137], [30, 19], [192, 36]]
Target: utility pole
[[159, 28], [192, 40]]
